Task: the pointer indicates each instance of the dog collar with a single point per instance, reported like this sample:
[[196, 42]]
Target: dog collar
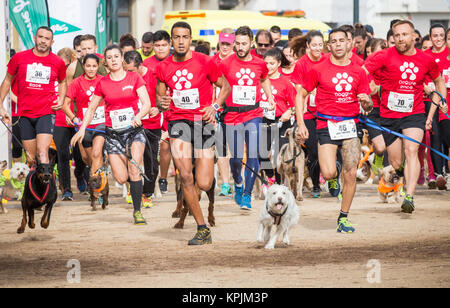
[[277, 217], [384, 189]]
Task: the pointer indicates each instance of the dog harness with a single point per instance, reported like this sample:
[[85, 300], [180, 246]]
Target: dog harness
[[384, 189], [277, 217], [104, 181], [35, 195]]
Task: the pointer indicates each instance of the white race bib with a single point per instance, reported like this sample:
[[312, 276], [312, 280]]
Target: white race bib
[[99, 116], [37, 73], [401, 102], [446, 76], [266, 112], [140, 108], [187, 99], [312, 100], [244, 95], [122, 118], [342, 130]]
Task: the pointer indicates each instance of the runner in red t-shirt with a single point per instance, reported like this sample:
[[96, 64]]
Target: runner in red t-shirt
[[81, 92], [16, 147], [151, 124], [185, 87], [341, 87], [37, 71], [276, 120], [121, 91], [247, 75], [314, 45], [403, 70], [161, 47]]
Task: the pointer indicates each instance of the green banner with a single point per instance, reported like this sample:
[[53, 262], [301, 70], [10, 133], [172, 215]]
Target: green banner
[[27, 16], [100, 26]]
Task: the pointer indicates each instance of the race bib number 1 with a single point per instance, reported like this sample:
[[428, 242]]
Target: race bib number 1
[[244, 95], [342, 130], [122, 118], [401, 102], [37, 73], [187, 99]]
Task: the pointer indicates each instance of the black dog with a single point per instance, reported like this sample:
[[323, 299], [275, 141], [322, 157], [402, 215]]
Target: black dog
[[40, 189]]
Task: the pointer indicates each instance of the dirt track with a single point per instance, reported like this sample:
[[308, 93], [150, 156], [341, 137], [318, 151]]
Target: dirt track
[[412, 250]]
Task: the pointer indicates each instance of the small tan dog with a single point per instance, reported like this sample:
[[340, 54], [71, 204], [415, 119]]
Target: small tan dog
[[291, 165], [389, 185]]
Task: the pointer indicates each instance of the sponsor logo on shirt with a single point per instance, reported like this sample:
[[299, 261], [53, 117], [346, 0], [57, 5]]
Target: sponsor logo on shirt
[[183, 79], [127, 88], [245, 77]]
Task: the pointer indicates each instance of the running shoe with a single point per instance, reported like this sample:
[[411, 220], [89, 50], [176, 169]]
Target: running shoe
[[146, 202], [432, 183], [316, 193], [67, 196], [344, 226], [163, 186], [129, 199], [202, 237], [226, 190], [139, 219], [246, 203], [334, 187], [238, 192], [408, 204], [441, 183], [82, 185]]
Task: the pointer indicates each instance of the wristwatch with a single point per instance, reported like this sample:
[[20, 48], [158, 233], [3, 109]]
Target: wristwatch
[[216, 106]]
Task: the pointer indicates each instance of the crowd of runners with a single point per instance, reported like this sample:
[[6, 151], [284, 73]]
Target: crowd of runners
[[172, 99]]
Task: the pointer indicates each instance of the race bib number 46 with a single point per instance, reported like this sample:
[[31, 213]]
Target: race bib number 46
[[342, 130], [401, 102], [37, 73], [187, 99], [244, 95], [122, 118]]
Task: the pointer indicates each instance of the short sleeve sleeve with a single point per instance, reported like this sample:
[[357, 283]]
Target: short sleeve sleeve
[[214, 73], [265, 71], [62, 71], [376, 61], [72, 90], [434, 70], [13, 65], [309, 84], [364, 87], [140, 82], [291, 95], [99, 89], [159, 73], [298, 73]]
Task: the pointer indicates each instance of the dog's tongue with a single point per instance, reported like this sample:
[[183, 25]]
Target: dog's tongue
[[279, 206]]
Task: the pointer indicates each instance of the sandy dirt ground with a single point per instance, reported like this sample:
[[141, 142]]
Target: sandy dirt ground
[[389, 249]]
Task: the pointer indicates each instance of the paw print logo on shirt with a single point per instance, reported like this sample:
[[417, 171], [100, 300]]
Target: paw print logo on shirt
[[264, 96], [90, 93], [343, 82], [183, 79], [245, 77], [409, 69]]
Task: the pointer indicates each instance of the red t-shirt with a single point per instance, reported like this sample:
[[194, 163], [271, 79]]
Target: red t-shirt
[[244, 78], [255, 54], [444, 66], [376, 78], [190, 83], [119, 97], [151, 63], [338, 88], [438, 57], [36, 78], [284, 94], [82, 90], [150, 81], [13, 103], [301, 72], [402, 79], [290, 76]]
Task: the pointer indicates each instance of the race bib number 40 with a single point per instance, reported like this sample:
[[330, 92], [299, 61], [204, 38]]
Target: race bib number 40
[[122, 118], [268, 114], [187, 99], [244, 95], [342, 130], [99, 116], [401, 102], [37, 73]]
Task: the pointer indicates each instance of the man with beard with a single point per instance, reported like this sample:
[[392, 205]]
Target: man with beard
[[184, 85], [38, 72], [403, 70], [248, 76]]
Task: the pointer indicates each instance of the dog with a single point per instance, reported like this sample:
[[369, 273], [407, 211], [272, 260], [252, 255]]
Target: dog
[[182, 209], [280, 209], [13, 184], [389, 185], [291, 165], [40, 189], [99, 187]]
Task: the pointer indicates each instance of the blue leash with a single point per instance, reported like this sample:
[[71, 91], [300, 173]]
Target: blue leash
[[374, 125], [443, 100]]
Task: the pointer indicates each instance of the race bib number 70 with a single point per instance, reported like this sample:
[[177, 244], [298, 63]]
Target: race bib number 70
[[401, 102]]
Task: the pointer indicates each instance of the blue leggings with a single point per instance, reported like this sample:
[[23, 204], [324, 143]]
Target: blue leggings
[[237, 136]]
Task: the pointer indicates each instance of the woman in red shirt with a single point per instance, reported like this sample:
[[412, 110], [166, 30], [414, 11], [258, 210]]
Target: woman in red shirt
[[122, 91]]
